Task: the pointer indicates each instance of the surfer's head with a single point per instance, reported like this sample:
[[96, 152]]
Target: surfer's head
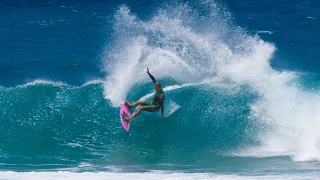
[[157, 85]]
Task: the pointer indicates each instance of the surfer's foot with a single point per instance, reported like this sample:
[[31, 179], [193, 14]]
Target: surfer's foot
[[128, 104], [126, 118]]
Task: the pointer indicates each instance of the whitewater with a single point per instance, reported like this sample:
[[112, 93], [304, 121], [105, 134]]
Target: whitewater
[[286, 113]]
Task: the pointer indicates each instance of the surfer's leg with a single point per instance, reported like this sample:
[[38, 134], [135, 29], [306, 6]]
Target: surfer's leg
[[145, 106], [134, 115], [151, 108], [134, 104]]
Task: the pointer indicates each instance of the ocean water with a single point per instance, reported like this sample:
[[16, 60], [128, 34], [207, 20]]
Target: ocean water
[[241, 80]]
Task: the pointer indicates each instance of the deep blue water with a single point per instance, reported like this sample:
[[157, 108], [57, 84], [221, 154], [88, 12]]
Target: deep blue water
[[295, 27], [241, 82]]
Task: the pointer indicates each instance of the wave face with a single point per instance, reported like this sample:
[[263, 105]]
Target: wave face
[[54, 125], [225, 104]]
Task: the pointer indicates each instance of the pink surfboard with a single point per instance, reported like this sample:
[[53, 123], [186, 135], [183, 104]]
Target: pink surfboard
[[124, 110]]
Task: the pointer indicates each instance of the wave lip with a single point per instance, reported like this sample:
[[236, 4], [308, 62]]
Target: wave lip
[[54, 83], [41, 81]]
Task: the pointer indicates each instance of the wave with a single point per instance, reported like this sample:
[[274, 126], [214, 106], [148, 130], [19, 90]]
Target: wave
[[189, 44], [47, 125], [265, 32], [222, 94]]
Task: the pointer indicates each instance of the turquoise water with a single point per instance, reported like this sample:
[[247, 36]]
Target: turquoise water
[[241, 83]]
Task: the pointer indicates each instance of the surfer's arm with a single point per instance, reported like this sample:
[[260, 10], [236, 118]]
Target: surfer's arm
[[162, 97], [153, 79], [162, 111]]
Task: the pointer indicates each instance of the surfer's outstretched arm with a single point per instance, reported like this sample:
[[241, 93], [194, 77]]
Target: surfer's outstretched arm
[[162, 111], [153, 79]]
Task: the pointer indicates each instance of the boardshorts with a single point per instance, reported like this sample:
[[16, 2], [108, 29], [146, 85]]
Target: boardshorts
[[150, 106]]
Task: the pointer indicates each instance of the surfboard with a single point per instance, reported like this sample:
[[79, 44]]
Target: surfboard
[[124, 110]]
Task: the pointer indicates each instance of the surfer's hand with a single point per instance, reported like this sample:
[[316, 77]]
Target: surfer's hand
[[147, 70]]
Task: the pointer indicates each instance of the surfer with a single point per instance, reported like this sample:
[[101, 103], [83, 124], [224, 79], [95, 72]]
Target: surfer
[[158, 101]]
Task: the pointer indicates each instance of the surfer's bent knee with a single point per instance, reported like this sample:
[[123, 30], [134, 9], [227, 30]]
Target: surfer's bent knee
[[141, 108]]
